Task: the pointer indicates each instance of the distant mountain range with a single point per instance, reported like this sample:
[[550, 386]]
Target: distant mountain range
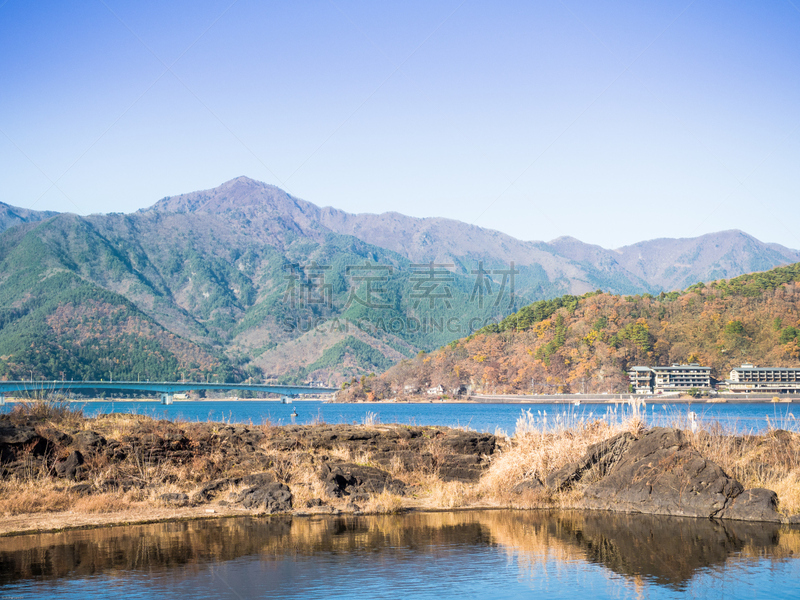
[[244, 280]]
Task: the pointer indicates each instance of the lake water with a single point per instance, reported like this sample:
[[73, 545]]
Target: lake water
[[477, 416], [470, 554]]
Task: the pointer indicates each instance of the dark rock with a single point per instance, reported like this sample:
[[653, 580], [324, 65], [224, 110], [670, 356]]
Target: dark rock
[[599, 459], [271, 498], [314, 502], [346, 479], [17, 441], [81, 489], [407, 459], [210, 490], [383, 439], [757, 504], [358, 497], [17, 434], [469, 442], [174, 499], [70, 467], [449, 467], [122, 484], [57, 437], [255, 479], [661, 474], [461, 467], [88, 442]]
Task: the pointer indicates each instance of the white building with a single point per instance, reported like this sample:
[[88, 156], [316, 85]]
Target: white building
[[677, 378], [769, 380]]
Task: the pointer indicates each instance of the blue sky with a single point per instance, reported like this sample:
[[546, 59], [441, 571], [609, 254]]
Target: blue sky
[[612, 122]]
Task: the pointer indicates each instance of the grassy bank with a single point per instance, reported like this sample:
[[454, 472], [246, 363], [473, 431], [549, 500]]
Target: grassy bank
[[136, 468]]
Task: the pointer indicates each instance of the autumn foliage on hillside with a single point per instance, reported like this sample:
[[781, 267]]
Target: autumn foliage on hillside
[[587, 344]]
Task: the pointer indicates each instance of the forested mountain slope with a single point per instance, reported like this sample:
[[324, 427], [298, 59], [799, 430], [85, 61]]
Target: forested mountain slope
[[587, 343], [246, 281]]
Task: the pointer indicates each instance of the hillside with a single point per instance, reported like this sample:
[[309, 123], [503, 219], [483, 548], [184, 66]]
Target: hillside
[[587, 343], [13, 215], [209, 295], [246, 281]]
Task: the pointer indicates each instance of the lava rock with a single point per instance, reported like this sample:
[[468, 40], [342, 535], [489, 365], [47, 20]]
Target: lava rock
[[600, 458], [469, 442], [17, 434], [758, 504], [17, 441], [461, 467], [347, 479], [660, 473], [70, 467], [174, 499], [88, 442], [81, 489], [210, 490], [271, 498]]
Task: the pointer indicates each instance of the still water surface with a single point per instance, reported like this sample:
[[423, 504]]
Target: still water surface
[[479, 417], [472, 554]]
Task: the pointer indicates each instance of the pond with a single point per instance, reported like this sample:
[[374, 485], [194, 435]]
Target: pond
[[467, 554]]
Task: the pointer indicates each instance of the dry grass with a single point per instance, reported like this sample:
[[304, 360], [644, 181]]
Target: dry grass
[[51, 409], [106, 502], [32, 496], [384, 503], [542, 445], [771, 460], [436, 493]]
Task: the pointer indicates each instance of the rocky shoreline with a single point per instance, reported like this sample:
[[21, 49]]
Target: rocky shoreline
[[59, 469]]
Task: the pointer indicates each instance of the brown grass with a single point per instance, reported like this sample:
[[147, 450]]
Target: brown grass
[[50, 409], [538, 449], [771, 460], [32, 496], [384, 503]]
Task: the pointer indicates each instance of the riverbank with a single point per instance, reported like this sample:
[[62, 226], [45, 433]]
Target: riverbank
[[61, 469]]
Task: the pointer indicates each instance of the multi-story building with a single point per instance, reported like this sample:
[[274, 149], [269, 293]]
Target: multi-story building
[[769, 380], [677, 378], [641, 380]]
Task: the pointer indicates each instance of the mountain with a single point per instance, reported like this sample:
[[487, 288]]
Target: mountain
[[12, 215], [565, 263], [588, 343], [244, 280], [672, 264]]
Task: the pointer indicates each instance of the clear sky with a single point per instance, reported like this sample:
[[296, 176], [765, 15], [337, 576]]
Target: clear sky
[[612, 122]]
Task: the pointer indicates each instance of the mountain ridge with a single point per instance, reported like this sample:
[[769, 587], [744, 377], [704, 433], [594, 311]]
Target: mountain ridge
[[433, 239], [216, 269]]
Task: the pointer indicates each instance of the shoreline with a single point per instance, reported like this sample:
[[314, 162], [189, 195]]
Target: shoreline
[[63, 470], [575, 399], [39, 523]]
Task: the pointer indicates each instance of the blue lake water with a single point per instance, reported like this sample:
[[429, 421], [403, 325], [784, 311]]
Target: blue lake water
[[470, 554], [477, 416]]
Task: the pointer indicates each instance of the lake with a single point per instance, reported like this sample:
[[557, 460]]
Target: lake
[[477, 416], [469, 554]]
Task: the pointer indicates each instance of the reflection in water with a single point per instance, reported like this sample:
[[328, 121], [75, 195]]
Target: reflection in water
[[500, 553]]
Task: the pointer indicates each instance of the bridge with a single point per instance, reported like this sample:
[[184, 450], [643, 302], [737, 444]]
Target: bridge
[[166, 389]]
